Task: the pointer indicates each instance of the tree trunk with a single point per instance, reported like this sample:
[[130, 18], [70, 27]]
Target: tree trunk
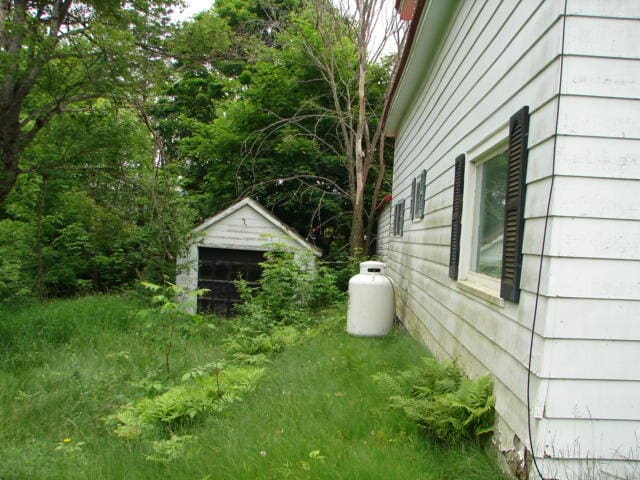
[[356, 239], [9, 151]]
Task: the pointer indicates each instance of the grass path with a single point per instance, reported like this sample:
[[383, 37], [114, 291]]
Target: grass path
[[316, 414]]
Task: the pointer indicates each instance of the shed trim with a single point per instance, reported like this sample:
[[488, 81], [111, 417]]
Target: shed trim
[[267, 215]]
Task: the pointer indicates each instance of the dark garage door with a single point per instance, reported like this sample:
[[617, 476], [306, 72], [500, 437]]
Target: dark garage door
[[218, 268]]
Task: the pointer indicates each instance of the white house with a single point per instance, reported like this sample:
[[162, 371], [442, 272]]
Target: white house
[[231, 244], [516, 207]]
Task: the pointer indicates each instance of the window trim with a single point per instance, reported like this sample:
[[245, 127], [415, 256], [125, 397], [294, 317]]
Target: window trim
[[484, 286]]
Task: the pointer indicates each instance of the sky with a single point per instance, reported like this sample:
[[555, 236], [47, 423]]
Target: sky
[[196, 6], [193, 7]]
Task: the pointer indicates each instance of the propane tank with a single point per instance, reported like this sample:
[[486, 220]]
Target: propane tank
[[371, 302]]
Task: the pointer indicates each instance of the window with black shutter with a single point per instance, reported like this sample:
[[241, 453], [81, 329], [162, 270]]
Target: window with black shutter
[[398, 218], [421, 194], [514, 205], [458, 190], [413, 199]]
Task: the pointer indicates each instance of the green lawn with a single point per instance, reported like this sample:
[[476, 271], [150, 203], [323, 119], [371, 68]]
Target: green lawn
[[315, 413]]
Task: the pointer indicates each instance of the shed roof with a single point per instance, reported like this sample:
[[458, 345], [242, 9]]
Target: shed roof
[[267, 215]]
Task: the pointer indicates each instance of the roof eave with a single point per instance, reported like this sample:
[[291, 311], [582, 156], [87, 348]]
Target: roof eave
[[429, 24]]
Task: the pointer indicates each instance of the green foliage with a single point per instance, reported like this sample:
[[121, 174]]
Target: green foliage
[[175, 448], [204, 394], [314, 408], [92, 212], [442, 400], [16, 259], [169, 320], [292, 285]]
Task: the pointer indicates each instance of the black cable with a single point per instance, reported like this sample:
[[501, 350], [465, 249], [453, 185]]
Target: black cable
[[544, 239]]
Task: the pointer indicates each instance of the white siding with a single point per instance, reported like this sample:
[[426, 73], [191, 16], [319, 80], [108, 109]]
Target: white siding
[[592, 386], [384, 233], [495, 58]]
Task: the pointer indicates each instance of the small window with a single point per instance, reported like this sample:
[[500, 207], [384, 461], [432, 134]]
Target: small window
[[489, 229], [398, 218]]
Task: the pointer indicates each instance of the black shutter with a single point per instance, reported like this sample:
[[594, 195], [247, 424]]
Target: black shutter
[[401, 218], [458, 189], [514, 205], [395, 219], [413, 199], [423, 191]]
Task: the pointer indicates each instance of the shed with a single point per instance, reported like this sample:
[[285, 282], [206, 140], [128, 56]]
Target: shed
[[232, 244], [524, 118]]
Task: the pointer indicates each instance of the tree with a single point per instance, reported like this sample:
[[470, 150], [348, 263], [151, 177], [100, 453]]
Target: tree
[[344, 120], [57, 54]]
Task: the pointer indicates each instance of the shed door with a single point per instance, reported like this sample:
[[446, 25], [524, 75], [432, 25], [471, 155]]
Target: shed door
[[218, 268]]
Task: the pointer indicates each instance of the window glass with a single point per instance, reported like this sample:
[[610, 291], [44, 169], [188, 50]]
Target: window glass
[[490, 223]]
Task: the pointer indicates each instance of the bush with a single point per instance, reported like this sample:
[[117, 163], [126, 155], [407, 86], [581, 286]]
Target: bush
[[445, 403], [292, 285]]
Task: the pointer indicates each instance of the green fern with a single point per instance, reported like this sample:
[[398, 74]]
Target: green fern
[[204, 394], [445, 403]]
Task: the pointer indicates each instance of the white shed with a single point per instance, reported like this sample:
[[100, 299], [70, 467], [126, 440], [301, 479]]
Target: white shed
[[230, 244], [526, 115]]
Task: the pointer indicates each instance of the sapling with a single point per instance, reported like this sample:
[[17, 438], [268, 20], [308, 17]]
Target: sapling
[[166, 315]]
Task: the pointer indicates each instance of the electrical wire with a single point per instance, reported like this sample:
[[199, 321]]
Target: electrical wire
[[544, 239]]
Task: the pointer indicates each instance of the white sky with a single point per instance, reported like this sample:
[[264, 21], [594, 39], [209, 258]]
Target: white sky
[[193, 7]]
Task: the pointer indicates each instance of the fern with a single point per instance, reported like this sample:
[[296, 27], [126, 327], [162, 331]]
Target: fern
[[204, 394], [445, 403]]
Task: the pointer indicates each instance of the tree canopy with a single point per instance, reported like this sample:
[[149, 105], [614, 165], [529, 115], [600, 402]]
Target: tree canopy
[[119, 131]]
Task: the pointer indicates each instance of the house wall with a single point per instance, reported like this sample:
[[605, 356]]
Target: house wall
[[591, 387], [495, 58], [384, 233], [244, 229]]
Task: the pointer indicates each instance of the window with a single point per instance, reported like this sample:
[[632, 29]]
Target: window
[[489, 223], [418, 190], [398, 218], [490, 255]]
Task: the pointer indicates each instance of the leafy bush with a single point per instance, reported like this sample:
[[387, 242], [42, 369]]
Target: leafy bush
[[292, 284], [442, 400]]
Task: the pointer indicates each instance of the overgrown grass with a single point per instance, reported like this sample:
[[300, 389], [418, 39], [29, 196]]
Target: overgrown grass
[[316, 413]]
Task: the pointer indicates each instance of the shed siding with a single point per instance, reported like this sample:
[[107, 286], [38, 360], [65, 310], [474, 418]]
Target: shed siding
[[495, 58], [243, 229]]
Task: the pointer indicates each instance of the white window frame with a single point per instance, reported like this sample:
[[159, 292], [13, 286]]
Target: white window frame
[[469, 280]]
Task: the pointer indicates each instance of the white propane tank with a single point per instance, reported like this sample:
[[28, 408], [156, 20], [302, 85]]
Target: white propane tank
[[371, 302]]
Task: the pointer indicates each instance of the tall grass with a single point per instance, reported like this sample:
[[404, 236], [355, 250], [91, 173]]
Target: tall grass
[[315, 414]]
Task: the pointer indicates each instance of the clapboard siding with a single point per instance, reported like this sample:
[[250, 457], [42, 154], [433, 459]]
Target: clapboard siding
[[592, 331], [601, 77], [620, 468], [384, 232], [613, 440], [584, 143], [520, 64], [611, 319], [589, 399], [603, 37]]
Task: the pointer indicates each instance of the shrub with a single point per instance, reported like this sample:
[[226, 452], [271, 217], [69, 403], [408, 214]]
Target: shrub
[[292, 284], [445, 403]]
